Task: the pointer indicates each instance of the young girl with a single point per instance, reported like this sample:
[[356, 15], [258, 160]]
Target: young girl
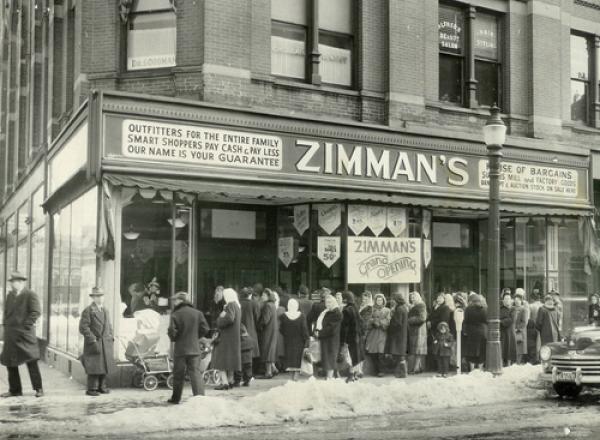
[[594, 310], [442, 348]]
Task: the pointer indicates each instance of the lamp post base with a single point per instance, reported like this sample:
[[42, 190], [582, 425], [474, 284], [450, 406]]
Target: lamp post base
[[493, 357]]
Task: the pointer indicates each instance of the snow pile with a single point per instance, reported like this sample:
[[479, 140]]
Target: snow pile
[[323, 400]]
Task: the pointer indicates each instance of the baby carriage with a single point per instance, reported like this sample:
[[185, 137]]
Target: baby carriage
[[209, 375], [151, 368]]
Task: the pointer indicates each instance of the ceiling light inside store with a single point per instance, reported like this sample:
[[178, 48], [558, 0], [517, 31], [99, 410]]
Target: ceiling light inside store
[[530, 223], [131, 234], [179, 223], [158, 198], [562, 224], [510, 224]]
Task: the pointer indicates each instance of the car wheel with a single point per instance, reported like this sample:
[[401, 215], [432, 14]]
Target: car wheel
[[567, 389]]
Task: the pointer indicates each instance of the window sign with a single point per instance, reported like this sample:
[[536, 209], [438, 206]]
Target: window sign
[[227, 223], [287, 56], [328, 250], [301, 218], [486, 36], [151, 41], [377, 219], [357, 218], [330, 217], [336, 65], [286, 250], [451, 30]]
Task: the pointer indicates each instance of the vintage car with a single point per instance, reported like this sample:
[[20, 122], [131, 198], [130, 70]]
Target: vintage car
[[573, 363]]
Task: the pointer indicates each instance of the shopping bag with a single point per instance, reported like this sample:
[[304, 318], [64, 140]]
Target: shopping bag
[[315, 350], [343, 361], [306, 366]]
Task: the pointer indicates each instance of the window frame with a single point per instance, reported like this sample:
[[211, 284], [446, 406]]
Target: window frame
[[313, 74], [591, 82], [125, 28]]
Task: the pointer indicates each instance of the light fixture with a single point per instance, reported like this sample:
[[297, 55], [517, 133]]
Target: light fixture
[[301, 249], [131, 234], [530, 223], [510, 224], [562, 224], [494, 131], [158, 198], [179, 223]]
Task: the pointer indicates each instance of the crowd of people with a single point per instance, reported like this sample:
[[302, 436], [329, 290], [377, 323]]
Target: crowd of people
[[350, 337]]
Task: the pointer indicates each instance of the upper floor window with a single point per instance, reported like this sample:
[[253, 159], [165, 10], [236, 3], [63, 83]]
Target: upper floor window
[[151, 35], [313, 47], [470, 72], [580, 78]]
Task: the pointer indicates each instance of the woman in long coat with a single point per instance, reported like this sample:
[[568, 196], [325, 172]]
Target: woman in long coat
[[365, 312], [507, 331], [417, 333], [475, 332], [327, 330], [547, 321], [533, 335], [268, 332], [294, 331], [97, 357], [521, 314], [377, 333], [397, 335], [227, 355], [351, 333], [250, 316]]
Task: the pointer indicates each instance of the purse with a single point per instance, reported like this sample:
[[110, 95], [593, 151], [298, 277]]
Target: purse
[[306, 366]]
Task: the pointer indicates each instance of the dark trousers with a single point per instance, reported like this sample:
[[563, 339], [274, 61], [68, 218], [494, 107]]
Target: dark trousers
[[14, 379], [245, 374], [443, 363], [96, 382], [192, 364]]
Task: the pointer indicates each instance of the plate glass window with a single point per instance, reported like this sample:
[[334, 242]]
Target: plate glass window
[[487, 61], [580, 65], [451, 30], [152, 35]]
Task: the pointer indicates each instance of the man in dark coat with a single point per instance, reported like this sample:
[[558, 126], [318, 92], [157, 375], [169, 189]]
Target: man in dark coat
[[351, 332], [507, 331], [548, 321], [97, 357], [187, 326], [21, 310], [250, 316], [397, 335]]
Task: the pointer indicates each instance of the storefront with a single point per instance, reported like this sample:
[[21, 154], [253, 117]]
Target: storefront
[[171, 196]]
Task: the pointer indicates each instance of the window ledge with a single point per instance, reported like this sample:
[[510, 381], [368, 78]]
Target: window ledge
[[147, 73], [290, 84], [481, 111], [580, 128]]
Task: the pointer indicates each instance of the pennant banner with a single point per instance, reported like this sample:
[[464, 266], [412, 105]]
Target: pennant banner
[[357, 218], [396, 220], [377, 219], [330, 217], [427, 252], [328, 250], [286, 250], [301, 218], [426, 223]]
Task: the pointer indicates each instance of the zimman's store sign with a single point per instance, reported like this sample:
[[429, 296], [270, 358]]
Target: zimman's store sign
[[299, 159]]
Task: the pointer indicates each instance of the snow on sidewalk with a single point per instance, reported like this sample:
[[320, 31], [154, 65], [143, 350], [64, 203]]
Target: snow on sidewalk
[[310, 400]]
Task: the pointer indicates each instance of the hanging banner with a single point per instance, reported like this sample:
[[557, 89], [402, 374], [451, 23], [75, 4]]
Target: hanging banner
[[357, 218], [330, 217], [426, 223], [286, 250], [396, 220], [427, 252], [328, 250], [377, 219], [384, 260], [301, 218]]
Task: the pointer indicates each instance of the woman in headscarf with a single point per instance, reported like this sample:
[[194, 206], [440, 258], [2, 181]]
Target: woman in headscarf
[[327, 331], [227, 356], [365, 311], [377, 333], [351, 332], [268, 326], [417, 333], [397, 335], [294, 332]]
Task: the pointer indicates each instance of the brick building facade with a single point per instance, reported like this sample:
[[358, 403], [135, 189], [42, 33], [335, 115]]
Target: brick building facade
[[336, 88]]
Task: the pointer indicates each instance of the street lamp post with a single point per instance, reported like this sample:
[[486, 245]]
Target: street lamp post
[[494, 135]]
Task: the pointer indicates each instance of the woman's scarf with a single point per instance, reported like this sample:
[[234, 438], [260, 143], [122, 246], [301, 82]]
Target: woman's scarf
[[292, 311]]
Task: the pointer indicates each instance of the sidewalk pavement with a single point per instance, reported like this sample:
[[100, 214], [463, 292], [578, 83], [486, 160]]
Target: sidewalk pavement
[[65, 398]]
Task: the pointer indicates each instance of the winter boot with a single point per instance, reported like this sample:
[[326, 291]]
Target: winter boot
[[401, 370]]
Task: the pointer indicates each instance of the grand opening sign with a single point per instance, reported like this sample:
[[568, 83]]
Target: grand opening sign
[[386, 260]]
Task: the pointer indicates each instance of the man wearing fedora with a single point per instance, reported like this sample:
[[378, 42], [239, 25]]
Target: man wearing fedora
[[187, 326], [21, 311], [97, 357]]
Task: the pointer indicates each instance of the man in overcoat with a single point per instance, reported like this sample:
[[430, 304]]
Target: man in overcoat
[[97, 357], [187, 326], [21, 311]]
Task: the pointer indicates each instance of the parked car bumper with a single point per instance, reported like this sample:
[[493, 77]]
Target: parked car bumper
[[577, 377]]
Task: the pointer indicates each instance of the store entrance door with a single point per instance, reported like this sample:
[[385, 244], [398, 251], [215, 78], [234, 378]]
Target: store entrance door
[[455, 256]]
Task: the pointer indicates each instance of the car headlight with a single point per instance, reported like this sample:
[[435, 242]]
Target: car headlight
[[545, 353]]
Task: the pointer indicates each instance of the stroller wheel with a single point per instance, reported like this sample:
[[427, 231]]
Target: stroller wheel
[[150, 382], [216, 377], [170, 381], [207, 377]]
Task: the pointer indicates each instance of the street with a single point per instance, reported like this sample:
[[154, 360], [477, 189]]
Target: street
[[513, 406]]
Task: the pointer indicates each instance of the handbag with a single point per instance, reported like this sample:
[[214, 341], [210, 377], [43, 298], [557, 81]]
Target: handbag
[[315, 350], [306, 366], [344, 361]]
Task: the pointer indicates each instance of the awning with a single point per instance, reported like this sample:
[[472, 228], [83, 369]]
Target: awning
[[270, 194]]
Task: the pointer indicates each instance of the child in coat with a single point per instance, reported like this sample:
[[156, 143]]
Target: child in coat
[[442, 348]]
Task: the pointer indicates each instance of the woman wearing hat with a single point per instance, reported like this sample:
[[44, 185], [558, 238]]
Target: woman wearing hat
[[97, 357], [21, 310]]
